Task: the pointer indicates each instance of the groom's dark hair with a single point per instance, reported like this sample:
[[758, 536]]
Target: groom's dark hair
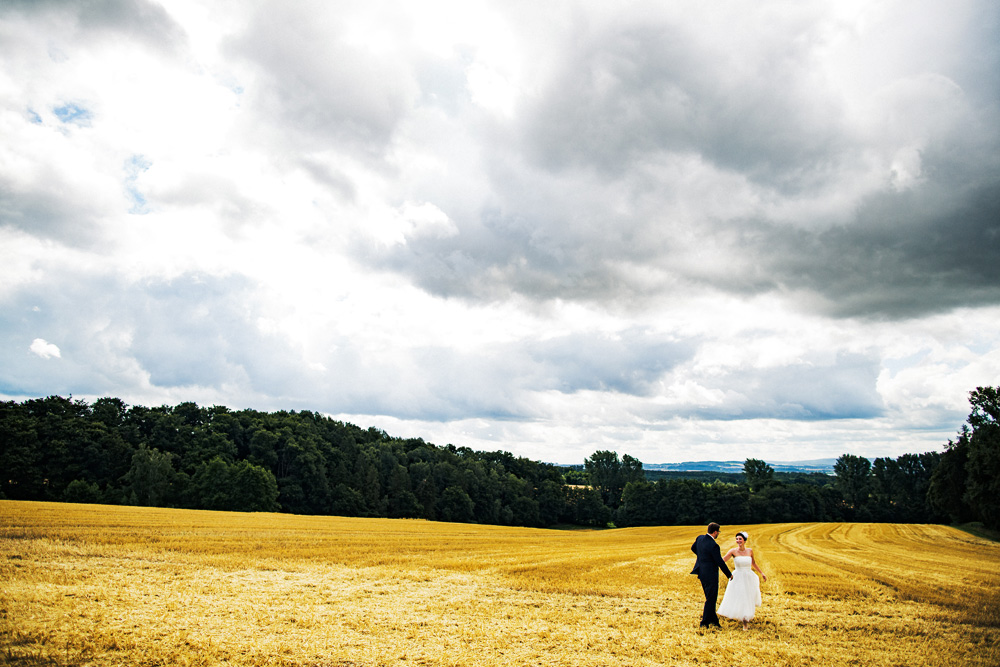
[[712, 527]]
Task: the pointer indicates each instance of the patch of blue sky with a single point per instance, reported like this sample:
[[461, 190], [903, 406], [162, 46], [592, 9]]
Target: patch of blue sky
[[34, 117], [73, 114], [134, 166]]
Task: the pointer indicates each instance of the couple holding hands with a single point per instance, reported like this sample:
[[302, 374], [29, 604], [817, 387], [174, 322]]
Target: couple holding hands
[[742, 595]]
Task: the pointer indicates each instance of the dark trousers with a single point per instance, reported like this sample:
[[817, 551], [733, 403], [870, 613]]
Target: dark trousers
[[708, 615]]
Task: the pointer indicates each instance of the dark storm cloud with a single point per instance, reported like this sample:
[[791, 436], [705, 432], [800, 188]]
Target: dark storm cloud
[[49, 207], [906, 254], [143, 21], [639, 90], [585, 210], [901, 254]]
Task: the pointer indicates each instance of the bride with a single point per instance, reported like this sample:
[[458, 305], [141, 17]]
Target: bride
[[742, 595]]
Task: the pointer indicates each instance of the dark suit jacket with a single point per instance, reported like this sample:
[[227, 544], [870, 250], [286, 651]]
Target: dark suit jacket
[[709, 560]]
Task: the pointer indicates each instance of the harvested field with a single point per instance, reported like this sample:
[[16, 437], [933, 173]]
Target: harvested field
[[102, 585]]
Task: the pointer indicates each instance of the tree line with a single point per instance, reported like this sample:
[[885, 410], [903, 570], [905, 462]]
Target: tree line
[[198, 457]]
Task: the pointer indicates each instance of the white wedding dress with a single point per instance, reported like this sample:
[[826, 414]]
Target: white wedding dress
[[742, 595]]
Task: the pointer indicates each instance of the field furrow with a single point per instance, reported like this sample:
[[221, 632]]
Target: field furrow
[[93, 585]]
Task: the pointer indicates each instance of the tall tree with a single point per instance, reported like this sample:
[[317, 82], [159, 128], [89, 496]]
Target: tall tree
[[20, 454], [254, 488], [456, 505], [949, 482], [853, 479], [150, 480], [609, 475], [758, 474], [983, 465]]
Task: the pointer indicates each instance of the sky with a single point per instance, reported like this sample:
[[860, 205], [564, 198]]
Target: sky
[[680, 231]]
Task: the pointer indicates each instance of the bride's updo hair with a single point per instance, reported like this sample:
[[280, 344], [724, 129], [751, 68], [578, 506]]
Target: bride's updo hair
[[746, 538]]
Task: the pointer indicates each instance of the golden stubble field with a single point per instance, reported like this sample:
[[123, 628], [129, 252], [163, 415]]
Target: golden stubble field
[[101, 585]]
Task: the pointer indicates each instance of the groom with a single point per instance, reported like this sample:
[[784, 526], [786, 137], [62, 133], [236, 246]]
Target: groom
[[707, 568]]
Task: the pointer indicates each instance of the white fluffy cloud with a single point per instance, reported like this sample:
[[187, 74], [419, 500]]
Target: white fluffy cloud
[[44, 349], [679, 231]]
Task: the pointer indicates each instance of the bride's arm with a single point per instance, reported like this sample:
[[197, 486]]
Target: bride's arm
[[753, 562], [729, 554]]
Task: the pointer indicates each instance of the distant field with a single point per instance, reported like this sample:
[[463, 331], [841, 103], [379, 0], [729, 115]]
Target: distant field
[[101, 585]]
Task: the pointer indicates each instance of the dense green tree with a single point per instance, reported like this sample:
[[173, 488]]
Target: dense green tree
[[422, 483], [203, 444], [757, 473], [900, 488], [212, 485], [218, 484], [949, 482], [525, 511], [110, 411], [728, 504], [347, 501], [304, 487], [79, 491], [587, 508], [168, 432], [609, 475], [64, 449], [484, 486], [263, 447], [639, 505], [254, 488], [366, 480], [684, 502], [456, 505], [400, 499], [21, 473], [151, 479], [983, 464], [603, 469], [551, 502], [853, 479], [781, 503]]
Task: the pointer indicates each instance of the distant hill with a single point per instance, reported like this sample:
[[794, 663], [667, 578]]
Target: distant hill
[[813, 465]]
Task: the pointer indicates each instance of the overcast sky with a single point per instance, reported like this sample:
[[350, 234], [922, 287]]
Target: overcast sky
[[675, 230]]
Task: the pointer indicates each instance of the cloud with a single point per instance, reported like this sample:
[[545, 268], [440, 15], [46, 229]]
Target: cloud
[[906, 254], [547, 229], [629, 89], [44, 349], [139, 20], [109, 342], [842, 388], [629, 362], [654, 157], [322, 86]]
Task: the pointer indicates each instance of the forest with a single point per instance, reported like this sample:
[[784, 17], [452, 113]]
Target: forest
[[189, 456]]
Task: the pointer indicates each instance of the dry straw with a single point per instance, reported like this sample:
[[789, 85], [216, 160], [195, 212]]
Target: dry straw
[[96, 585]]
